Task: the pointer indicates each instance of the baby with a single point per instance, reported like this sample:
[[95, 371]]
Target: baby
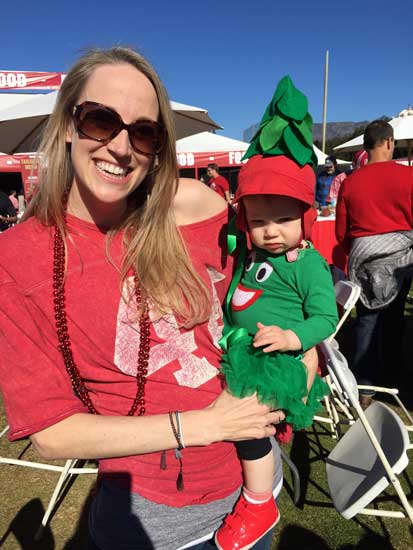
[[283, 304]]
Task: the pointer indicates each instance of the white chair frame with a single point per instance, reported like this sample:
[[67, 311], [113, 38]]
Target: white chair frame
[[347, 294], [359, 468], [66, 472]]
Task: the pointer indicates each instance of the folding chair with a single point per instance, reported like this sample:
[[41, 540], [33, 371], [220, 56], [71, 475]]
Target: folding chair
[[347, 294], [295, 476], [66, 472], [370, 456]]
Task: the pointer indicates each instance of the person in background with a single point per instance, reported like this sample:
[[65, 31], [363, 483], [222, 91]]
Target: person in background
[[8, 214], [14, 200], [360, 159], [217, 182], [374, 223], [324, 181]]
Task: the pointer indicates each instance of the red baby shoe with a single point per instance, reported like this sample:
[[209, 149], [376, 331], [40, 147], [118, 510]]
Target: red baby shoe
[[246, 524]]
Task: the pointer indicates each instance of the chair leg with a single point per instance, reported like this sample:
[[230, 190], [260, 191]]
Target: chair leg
[[295, 475], [332, 413], [55, 496], [6, 429]]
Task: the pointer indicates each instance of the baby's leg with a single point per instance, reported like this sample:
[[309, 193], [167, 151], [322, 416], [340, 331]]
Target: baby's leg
[[310, 362], [255, 513], [258, 477]]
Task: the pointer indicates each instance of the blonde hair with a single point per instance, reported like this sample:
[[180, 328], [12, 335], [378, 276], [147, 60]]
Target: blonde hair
[[153, 246]]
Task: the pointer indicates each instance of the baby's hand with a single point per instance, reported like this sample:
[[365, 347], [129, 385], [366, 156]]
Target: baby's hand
[[277, 338]]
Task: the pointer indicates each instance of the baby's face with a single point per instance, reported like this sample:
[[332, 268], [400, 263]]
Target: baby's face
[[274, 222]]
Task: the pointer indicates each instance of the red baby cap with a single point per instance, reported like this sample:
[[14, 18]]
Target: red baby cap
[[281, 155]]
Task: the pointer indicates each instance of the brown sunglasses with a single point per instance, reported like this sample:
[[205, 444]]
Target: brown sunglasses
[[101, 123]]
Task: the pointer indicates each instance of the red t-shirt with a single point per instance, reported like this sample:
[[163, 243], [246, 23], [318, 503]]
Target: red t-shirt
[[375, 199], [183, 365], [220, 185]]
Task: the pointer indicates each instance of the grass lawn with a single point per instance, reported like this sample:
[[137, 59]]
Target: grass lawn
[[313, 524]]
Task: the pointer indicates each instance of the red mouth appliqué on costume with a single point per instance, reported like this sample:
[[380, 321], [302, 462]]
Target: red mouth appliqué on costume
[[244, 297]]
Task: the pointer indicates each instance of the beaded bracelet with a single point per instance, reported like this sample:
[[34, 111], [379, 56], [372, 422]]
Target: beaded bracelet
[[178, 455], [180, 433]]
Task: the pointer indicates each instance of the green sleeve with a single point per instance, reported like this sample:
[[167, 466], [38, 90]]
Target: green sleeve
[[319, 302]]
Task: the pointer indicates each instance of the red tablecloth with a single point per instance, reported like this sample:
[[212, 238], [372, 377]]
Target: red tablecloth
[[324, 240]]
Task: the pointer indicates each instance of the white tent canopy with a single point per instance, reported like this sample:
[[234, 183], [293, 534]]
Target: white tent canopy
[[9, 99], [22, 122], [403, 133], [206, 142]]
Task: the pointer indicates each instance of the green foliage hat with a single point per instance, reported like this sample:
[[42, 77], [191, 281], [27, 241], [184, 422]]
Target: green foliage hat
[[286, 127]]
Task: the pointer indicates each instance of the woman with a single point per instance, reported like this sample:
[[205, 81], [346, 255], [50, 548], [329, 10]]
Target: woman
[[111, 323]]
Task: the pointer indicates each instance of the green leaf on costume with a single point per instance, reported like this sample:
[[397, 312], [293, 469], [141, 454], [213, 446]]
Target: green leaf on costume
[[286, 127], [314, 159], [306, 129], [284, 84], [272, 132], [253, 149], [279, 149], [298, 149], [267, 116], [293, 104]]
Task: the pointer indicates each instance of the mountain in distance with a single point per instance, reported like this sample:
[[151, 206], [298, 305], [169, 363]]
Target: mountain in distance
[[334, 130]]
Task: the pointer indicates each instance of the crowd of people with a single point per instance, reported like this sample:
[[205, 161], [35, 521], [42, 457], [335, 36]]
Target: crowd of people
[[113, 326]]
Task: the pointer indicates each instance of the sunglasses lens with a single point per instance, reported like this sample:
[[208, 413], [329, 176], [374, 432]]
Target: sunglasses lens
[[98, 123], [101, 123], [147, 137]]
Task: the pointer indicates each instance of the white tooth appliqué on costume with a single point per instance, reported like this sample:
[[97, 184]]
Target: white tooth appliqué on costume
[[243, 297], [111, 168]]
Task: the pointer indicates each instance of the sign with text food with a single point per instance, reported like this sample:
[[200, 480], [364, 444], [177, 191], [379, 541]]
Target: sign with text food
[[199, 160]]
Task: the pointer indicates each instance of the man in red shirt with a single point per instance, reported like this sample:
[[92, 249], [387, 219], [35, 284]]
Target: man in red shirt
[[374, 212], [217, 182]]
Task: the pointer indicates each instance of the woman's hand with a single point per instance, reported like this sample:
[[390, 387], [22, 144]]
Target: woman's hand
[[231, 419]]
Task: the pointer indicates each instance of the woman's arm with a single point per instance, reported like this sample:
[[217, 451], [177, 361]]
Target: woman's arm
[[94, 436]]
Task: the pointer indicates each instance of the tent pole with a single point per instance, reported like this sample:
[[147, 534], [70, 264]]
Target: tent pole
[[325, 102]]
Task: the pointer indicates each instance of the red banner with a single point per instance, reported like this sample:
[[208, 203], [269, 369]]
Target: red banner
[[8, 163], [201, 160], [32, 80], [29, 167]]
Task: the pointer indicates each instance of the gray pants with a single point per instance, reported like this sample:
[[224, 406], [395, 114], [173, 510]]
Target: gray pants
[[126, 521]]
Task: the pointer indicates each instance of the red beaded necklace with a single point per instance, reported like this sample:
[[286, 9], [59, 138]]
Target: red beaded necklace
[[78, 385]]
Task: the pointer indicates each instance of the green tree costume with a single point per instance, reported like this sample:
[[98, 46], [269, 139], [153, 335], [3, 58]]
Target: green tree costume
[[296, 295], [292, 290]]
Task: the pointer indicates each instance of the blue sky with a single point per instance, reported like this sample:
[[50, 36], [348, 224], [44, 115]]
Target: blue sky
[[228, 56]]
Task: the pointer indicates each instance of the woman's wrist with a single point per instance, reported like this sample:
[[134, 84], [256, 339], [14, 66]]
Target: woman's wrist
[[198, 427]]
